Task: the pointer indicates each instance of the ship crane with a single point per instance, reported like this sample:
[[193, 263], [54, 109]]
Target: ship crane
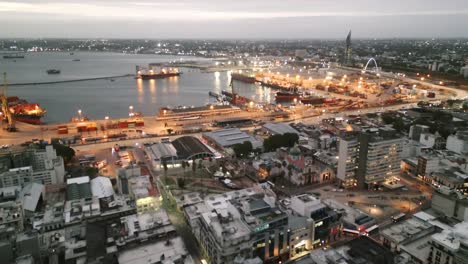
[[5, 109]]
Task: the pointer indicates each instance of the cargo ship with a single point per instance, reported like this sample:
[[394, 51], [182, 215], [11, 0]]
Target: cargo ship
[[152, 74], [23, 111], [286, 96], [243, 78]]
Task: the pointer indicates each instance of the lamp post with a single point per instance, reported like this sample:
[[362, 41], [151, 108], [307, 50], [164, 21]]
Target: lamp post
[[79, 115], [130, 111]]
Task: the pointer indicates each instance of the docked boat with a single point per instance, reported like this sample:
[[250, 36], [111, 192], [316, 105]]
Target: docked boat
[[53, 71], [23, 111], [76, 59], [243, 78], [286, 96], [312, 100], [13, 56]]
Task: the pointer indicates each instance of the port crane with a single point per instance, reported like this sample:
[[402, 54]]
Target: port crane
[[5, 109]]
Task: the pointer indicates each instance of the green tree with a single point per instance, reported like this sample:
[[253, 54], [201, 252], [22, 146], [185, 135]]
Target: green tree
[[164, 163], [181, 183], [65, 152], [184, 165], [242, 149]]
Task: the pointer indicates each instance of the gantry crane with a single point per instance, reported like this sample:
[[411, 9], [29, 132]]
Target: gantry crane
[[5, 109]]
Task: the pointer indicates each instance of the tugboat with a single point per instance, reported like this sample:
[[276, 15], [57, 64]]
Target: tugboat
[[53, 71]]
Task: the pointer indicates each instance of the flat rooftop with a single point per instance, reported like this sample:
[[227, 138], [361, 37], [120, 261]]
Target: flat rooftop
[[164, 252], [280, 128], [405, 230]]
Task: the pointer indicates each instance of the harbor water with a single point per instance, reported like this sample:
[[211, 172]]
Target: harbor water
[[112, 97]]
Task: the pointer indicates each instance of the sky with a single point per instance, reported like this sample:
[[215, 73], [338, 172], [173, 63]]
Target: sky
[[279, 19]]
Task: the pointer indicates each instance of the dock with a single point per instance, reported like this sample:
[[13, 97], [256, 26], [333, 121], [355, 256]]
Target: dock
[[74, 80]]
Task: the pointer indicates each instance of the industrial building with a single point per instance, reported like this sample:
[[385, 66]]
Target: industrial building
[[225, 138]]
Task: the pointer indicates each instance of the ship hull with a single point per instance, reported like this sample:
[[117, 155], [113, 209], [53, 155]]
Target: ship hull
[[30, 119], [286, 97], [243, 78], [158, 75]]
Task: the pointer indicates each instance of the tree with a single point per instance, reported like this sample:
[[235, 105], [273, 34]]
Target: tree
[[65, 152], [200, 164], [194, 166], [169, 131], [181, 183], [242, 149], [277, 141], [184, 165], [398, 124], [164, 163], [388, 118]]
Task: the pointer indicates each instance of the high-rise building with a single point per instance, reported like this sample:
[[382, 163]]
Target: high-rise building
[[369, 157], [348, 49]]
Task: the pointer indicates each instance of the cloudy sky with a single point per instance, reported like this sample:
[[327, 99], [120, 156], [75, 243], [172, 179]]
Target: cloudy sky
[[233, 18]]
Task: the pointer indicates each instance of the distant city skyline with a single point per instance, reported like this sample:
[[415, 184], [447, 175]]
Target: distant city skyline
[[234, 19]]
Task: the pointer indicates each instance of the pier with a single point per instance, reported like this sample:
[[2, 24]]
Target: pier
[[74, 80]]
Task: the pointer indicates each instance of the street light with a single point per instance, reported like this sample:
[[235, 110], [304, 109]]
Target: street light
[[130, 111], [79, 114]]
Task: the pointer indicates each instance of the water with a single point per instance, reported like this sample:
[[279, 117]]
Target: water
[[100, 98]]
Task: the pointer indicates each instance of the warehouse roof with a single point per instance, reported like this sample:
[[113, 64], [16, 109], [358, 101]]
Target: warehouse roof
[[279, 128], [231, 136], [189, 147]]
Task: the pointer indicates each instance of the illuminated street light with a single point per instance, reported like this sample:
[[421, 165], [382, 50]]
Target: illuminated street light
[[106, 118], [79, 113]]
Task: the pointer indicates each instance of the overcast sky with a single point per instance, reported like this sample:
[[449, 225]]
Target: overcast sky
[[233, 18]]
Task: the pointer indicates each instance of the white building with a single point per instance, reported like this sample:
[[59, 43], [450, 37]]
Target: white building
[[46, 168], [369, 157], [458, 143]]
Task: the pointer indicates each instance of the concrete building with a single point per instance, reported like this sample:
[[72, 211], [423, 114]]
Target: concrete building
[[359, 250], [225, 138], [39, 165], [165, 252], [321, 224], [240, 224], [450, 203], [450, 246], [399, 237], [369, 157], [416, 131], [458, 143], [434, 141]]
